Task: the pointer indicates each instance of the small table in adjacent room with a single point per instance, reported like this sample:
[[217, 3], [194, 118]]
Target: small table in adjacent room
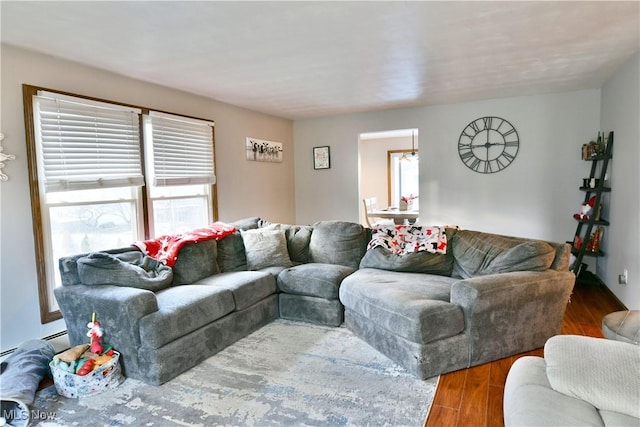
[[622, 326], [396, 215]]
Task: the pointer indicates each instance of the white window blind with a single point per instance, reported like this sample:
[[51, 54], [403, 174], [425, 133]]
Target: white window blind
[[182, 150], [87, 144]]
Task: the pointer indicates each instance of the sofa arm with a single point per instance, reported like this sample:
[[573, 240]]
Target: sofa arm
[[603, 372], [118, 309], [513, 312]]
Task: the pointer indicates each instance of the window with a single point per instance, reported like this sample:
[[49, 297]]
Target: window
[[180, 172], [404, 173], [88, 190]]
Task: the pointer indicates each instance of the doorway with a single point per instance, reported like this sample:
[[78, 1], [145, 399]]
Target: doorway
[[388, 167]]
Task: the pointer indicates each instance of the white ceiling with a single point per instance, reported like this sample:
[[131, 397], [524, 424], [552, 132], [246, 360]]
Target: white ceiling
[[313, 58]]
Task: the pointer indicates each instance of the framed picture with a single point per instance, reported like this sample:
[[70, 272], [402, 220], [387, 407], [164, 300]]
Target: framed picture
[[259, 150], [321, 158]]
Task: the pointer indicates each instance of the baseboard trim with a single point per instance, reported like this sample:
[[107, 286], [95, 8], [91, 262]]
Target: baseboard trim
[[608, 291], [47, 338]]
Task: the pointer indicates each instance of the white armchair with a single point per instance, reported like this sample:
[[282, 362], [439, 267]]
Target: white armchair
[[581, 381]]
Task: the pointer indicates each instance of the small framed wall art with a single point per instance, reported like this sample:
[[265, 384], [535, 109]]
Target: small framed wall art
[[263, 151], [321, 157]]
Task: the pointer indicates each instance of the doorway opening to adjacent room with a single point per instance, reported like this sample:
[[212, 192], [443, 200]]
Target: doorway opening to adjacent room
[[389, 169]]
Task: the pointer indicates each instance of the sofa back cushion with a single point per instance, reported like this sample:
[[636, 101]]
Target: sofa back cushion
[[419, 259], [68, 266], [416, 262], [478, 254], [298, 239], [338, 242], [131, 269], [231, 256], [195, 261], [562, 260], [250, 223]]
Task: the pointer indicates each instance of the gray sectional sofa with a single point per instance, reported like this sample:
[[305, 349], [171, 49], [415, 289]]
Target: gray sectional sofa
[[488, 297]]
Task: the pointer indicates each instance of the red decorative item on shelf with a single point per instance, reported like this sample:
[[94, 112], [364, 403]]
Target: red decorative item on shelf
[[595, 245], [586, 209], [594, 242], [577, 242]]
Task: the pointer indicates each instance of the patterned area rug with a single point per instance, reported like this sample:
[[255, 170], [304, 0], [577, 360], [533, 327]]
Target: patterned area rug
[[285, 374]]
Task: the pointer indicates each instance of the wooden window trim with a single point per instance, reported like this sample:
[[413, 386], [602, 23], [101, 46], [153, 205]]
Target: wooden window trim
[[47, 314]]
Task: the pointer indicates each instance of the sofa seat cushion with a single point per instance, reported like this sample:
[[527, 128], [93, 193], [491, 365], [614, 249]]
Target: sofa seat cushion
[[273, 270], [247, 287], [181, 310], [414, 306], [320, 311], [314, 280]]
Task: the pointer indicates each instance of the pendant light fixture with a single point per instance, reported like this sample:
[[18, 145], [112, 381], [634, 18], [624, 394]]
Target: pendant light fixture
[[414, 155]]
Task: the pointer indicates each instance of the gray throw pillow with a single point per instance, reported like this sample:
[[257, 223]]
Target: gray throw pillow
[[298, 238], [265, 248], [478, 254]]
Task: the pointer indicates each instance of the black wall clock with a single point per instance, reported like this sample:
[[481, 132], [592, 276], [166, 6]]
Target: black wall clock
[[488, 144]]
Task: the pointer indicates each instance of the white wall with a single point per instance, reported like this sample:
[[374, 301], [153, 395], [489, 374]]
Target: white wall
[[244, 188], [621, 114], [535, 196]]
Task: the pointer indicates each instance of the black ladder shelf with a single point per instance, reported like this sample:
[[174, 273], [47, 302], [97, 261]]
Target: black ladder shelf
[[586, 226]]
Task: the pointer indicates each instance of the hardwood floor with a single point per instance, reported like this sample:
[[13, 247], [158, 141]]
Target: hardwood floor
[[473, 397]]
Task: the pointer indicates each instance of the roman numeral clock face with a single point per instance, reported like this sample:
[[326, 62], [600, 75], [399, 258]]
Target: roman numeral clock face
[[488, 144]]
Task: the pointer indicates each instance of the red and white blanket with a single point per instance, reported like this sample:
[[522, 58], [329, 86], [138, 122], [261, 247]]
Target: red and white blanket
[[165, 248], [404, 239]]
